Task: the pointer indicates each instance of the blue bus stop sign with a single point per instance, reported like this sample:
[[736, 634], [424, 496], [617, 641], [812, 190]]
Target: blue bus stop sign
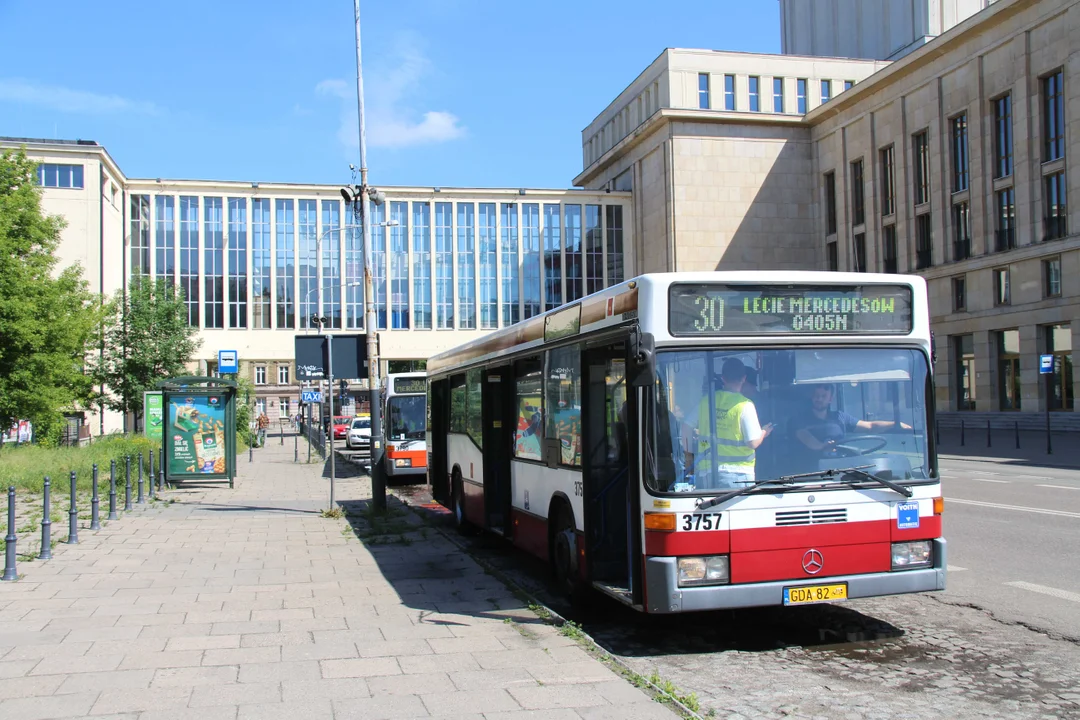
[[227, 362], [1046, 364]]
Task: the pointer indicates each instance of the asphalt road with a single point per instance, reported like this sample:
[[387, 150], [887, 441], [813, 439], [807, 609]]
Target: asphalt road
[[1014, 542]]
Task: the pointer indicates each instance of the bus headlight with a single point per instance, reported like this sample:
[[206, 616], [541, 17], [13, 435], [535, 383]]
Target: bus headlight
[[907, 555], [712, 570], [402, 462]]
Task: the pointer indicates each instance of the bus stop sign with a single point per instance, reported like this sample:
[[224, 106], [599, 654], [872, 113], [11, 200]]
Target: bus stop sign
[[1046, 364]]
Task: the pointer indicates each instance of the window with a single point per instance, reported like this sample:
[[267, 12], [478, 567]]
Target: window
[[511, 312], [1059, 344], [888, 180], [858, 204], [703, 90], [826, 91], [1052, 277], [961, 231], [530, 249], [755, 94], [572, 252], [778, 95], [859, 248], [466, 250], [614, 244], [164, 237], [214, 263], [331, 263], [889, 262], [189, 256], [237, 256], [1009, 369], [563, 402], [800, 95], [833, 255], [964, 354], [923, 242], [458, 402], [830, 203], [260, 374], [399, 267], [140, 234], [283, 407], [283, 374], [920, 153], [261, 299], [444, 266], [528, 434], [421, 219], [1054, 216], [60, 176], [378, 264], [1053, 117], [959, 153], [489, 281], [552, 256], [594, 250], [959, 294], [1006, 220], [474, 424], [284, 262], [848, 84], [307, 231], [1003, 141], [729, 92], [1001, 286]]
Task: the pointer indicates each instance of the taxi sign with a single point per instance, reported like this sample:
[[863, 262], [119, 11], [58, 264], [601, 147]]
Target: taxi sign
[[310, 396]]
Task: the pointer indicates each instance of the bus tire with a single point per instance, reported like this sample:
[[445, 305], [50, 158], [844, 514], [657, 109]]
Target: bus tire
[[457, 502], [562, 541]]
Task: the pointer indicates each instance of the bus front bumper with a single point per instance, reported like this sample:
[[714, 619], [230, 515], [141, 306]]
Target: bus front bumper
[[393, 471], [665, 596]]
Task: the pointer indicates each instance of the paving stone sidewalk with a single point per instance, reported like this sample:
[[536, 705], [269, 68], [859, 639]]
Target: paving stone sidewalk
[[247, 603]]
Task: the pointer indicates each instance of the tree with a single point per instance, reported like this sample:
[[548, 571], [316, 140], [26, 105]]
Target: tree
[[146, 339], [47, 319]]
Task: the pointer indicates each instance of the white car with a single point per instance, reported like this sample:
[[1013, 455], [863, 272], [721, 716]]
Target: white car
[[359, 435]]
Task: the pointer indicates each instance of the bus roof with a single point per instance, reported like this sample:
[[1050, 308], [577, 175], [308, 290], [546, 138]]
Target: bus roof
[[645, 299]]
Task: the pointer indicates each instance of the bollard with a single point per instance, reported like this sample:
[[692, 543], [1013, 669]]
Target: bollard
[[961, 432], [988, 433], [46, 524], [251, 450], [142, 500], [281, 431], [1016, 428], [127, 483], [112, 490], [296, 448], [11, 539], [95, 518], [161, 478], [73, 516]]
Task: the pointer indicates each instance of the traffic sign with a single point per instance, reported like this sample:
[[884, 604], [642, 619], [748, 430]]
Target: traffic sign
[[1046, 364], [311, 396], [227, 362]]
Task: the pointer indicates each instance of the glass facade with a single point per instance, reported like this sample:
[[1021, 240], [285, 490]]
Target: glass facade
[[511, 298], [594, 250], [238, 262], [331, 263], [614, 226], [354, 269], [378, 263], [444, 266], [213, 263], [421, 225], [139, 228], [261, 297], [308, 237], [165, 237], [399, 265], [572, 252], [189, 256], [552, 257], [487, 229], [466, 263], [530, 258], [285, 263]]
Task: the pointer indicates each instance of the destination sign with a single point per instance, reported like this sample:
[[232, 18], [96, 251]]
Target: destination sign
[[410, 386], [714, 309]]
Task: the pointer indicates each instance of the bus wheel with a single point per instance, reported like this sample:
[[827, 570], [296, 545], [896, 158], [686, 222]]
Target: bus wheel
[[457, 502], [563, 553]]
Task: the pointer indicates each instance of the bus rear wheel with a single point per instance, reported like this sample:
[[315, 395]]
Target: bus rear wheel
[[564, 554]]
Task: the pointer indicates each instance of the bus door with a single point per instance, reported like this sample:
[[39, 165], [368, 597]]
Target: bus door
[[609, 494], [497, 400], [438, 475]]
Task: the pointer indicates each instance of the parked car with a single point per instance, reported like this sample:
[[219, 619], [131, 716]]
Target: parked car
[[341, 426], [359, 436]]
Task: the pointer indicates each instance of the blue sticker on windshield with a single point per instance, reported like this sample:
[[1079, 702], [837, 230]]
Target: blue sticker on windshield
[[907, 516]]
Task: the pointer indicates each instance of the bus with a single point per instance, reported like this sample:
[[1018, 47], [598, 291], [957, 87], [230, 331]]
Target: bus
[[613, 438], [404, 424]]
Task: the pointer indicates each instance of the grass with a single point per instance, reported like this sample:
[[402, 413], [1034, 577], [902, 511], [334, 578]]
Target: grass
[[26, 466]]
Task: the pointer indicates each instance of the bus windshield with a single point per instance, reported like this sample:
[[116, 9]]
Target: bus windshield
[[723, 419], [406, 417]]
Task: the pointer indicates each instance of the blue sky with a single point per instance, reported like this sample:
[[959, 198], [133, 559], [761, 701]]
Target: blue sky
[[458, 92]]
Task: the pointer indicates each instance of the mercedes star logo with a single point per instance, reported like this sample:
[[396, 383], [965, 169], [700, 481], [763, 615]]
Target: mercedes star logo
[[812, 562]]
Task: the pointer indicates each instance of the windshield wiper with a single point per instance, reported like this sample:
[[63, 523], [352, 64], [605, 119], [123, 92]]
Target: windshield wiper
[[859, 470], [713, 502]]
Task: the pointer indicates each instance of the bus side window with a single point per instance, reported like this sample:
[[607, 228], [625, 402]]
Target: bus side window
[[529, 432]]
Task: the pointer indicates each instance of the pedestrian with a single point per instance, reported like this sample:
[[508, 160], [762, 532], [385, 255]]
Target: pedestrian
[[263, 423], [729, 433]]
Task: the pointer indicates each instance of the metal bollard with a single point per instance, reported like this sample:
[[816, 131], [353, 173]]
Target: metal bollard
[[142, 499], [296, 448], [11, 539], [161, 478], [281, 432], [251, 450], [988, 433], [112, 490], [73, 516], [127, 483], [961, 432], [1016, 428], [46, 524], [95, 502]]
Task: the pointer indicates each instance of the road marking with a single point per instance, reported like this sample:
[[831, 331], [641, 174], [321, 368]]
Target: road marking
[[955, 568], [1003, 482], [1041, 511], [1060, 487], [1052, 592]]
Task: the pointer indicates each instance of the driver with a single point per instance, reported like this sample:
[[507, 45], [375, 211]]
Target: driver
[[820, 429]]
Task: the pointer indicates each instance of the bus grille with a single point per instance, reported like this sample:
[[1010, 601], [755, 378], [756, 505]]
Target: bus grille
[[786, 518]]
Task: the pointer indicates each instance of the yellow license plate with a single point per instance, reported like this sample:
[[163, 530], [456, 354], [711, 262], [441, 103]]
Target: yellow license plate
[[815, 594]]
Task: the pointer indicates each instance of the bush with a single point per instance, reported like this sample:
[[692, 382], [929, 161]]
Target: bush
[[25, 466]]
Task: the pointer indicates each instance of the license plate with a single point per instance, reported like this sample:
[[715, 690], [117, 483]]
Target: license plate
[[815, 594]]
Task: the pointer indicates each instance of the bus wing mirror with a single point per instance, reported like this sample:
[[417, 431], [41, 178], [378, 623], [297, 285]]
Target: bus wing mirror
[[642, 361]]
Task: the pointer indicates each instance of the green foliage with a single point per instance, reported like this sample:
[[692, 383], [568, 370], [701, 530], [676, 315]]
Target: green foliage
[[26, 466], [47, 319], [146, 339], [245, 411]]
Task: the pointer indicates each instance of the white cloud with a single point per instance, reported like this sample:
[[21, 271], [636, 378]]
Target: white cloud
[[392, 119], [54, 97]]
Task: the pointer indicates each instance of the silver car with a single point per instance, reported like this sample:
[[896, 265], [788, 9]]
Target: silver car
[[359, 434]]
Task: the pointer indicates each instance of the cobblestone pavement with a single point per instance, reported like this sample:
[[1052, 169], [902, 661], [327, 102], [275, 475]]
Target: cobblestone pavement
[[250, 604], [912, 656]]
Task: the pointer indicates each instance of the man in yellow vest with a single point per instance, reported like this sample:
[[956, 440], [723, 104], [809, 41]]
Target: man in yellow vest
[[728, 433]]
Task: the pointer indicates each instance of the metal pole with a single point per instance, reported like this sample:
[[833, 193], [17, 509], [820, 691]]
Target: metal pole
[[95, 519], [296, 446], [281, 430], [1049, 392], [127, 483], [330, 390], [112, 490], [378, 483], [988, 432], [961, 432], [1016, 428], [142, 499], [307, 431], [46, 524], [73, 516], [11, 539]]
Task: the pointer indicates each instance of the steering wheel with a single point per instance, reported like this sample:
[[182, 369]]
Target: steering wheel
[[850, 451]]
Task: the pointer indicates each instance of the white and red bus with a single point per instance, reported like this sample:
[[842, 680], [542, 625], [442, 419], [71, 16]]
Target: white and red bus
[[614, 437], [404, 423]]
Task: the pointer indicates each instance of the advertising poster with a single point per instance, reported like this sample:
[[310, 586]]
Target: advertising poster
[[153, 416], [197, 425]]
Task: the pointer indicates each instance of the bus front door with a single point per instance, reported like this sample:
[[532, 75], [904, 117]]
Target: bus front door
[[497, 399]]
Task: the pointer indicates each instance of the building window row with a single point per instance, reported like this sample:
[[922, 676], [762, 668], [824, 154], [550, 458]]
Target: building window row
[[755, 91], [1054, 340], [51, 175]]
